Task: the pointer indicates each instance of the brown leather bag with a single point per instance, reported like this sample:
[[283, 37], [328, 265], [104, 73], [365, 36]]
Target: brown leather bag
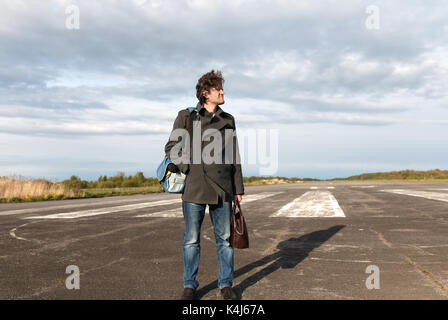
[[239, 238]]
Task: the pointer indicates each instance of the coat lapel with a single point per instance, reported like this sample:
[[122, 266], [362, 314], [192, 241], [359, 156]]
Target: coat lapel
[[221, 120]]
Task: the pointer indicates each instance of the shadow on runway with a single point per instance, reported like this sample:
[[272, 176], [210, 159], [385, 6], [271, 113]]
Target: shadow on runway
[[291, 253]]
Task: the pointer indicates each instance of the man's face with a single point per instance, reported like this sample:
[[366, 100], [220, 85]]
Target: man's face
[[215, 96]]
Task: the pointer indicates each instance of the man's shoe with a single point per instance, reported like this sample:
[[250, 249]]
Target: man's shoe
[[188, 294], [228, 294]]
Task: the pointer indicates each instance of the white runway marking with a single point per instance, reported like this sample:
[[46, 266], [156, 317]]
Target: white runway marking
[[13, 231], [172, 213], [424, 194], [362, 186], [177, 213], [312, 204], [436, 246], [341, 260], [95, 212], [315, 188], [63, 207]]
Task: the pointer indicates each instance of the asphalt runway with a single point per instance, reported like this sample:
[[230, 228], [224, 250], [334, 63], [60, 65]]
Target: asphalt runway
[[317, 240]]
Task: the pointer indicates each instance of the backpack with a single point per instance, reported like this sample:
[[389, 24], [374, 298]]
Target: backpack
[[172, 182]]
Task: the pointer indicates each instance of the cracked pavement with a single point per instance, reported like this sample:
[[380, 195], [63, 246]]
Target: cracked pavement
[[135, 252]]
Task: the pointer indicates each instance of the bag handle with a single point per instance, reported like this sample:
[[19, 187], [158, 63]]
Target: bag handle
[[239, 221], [235, 205]]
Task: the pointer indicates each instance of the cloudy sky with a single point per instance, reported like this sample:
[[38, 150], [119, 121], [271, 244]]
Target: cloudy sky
[[353, 88]]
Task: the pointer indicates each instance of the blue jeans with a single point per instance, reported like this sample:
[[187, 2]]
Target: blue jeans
[[221, 217]]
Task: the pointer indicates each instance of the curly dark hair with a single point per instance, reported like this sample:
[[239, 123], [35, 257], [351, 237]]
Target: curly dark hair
[[209, 80]]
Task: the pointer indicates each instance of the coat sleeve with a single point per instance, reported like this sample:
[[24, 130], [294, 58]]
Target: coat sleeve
[[238, 186], [179, 123]]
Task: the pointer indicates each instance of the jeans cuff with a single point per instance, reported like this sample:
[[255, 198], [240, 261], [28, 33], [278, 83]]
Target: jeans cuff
[[224, 284], [191, 284]]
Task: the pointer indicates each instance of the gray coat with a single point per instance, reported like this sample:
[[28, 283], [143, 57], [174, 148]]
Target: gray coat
[[206, 182]]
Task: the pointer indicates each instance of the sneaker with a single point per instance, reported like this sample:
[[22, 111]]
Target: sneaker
[[188, 294], [228, 294]]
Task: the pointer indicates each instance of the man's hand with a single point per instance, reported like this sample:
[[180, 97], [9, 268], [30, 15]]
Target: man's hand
[[238, 198]]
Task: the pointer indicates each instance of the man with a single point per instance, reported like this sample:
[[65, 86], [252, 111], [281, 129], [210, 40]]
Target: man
[[215, 184]]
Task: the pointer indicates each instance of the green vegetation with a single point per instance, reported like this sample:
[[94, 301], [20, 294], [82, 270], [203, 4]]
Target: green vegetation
[[118, 181], [113, 186], [23, 190], [256, 181]]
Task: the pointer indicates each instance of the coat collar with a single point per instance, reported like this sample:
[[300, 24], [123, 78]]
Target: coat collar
[[222, 117], [201, 109]]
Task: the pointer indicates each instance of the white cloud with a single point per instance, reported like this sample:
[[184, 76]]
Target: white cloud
[[133, 64]]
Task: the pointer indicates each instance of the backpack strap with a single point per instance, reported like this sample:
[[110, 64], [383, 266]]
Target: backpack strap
[[189, 122]]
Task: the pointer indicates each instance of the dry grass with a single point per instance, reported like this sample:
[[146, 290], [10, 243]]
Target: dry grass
[[28, 188], [275, 181]]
